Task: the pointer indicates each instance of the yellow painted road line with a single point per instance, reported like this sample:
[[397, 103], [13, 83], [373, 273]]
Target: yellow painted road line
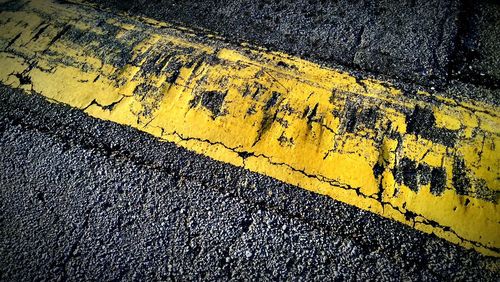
[[424, 160]]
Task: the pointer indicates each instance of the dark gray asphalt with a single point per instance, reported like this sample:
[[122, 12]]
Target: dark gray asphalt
[[427, 42], [405, 39], [84, 199], [477, 57]]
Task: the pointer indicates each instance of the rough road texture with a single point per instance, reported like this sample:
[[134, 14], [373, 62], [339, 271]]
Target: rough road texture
[[88, 199], [428, 42], [477, 57], [405, 39]]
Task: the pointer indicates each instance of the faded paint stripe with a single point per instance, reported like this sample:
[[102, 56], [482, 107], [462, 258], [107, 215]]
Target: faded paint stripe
[[424, 160]]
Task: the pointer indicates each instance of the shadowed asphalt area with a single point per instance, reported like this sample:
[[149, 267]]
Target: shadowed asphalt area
[[428, 42], [89, 199], [405, 39]]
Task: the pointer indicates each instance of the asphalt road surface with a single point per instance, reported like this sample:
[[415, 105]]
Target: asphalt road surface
[[87, 199], [430, 42]]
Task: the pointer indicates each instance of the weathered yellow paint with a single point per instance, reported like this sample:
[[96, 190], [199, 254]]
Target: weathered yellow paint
[[425, 160]]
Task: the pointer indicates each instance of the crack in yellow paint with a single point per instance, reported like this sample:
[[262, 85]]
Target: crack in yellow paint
[[318, 128]]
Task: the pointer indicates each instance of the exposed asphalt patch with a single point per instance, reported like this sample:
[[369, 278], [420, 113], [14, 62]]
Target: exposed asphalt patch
[[423, 123], [211, 100], [88, 199]]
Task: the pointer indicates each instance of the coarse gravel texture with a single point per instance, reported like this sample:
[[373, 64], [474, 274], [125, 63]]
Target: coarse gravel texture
[[86, 199]]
